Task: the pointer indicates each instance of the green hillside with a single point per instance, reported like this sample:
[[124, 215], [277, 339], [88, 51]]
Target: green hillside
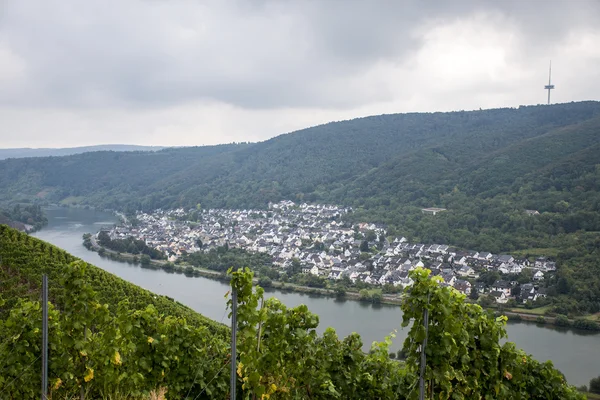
[[327, 162], [485, 167], [112, 340], [24, 259]]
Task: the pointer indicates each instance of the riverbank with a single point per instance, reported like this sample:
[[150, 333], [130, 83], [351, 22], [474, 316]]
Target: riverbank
[[191, 271], [386, 299]]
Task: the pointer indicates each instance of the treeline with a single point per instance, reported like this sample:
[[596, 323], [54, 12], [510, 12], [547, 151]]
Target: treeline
[[126, 349], [391, 155], [222, 258], [30, 214], [128, 245]]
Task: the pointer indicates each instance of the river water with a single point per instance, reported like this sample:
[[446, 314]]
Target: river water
[[575, 353]]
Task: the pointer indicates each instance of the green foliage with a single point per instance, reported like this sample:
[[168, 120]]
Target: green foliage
[[118, 352], [282, 356], [485, 167], [562, 320], [374, 295], [265, 282], [128, 245], [465, 357], [340, 292], [20, 214], [586, 324], [24, 259], [222, 258], [364, 246], [145, 260], [595, 385], [112, 339]]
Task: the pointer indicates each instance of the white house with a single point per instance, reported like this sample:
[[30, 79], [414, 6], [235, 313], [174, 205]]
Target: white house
[[500, 297], [466, 271]]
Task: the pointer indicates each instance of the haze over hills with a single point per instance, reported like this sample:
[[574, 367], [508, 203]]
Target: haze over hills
[[46, 152]]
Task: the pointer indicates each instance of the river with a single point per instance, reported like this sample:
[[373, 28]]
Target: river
[[575, 353]]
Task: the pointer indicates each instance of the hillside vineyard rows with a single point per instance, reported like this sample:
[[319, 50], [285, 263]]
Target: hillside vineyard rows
[[116, 340]]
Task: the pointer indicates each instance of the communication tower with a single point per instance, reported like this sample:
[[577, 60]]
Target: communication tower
[[549, 86]]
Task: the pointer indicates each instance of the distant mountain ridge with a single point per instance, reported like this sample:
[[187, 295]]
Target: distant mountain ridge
[[47, 152]]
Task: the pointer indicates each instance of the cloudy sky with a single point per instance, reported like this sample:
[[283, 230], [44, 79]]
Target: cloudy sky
[[160, 72]]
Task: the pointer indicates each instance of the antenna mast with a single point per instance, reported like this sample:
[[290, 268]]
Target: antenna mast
[[549, 86]]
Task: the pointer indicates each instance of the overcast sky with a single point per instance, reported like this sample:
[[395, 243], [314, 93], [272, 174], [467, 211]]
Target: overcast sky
[[160, 72]]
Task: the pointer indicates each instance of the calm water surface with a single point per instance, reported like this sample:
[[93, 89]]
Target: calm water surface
[[575, 353]]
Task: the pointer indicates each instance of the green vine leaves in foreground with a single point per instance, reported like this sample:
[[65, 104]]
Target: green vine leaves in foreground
[[118, 341], [121, 354], [281, 356], [465, 359]]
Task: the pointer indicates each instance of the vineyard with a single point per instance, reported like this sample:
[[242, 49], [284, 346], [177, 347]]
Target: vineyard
[[109, 339]]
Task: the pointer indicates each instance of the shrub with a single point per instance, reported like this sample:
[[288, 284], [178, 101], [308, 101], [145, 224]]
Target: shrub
[[595, 385], [586, 324], [562, 320], [265, 282]]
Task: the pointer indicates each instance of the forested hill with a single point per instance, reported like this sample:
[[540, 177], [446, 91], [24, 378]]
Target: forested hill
[[486, 167]]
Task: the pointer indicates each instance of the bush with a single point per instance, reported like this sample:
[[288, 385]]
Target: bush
[[265, 282], [169, 267], [145, 260], [340, 292], [562, 320], [595, 385], [189, 271], [515, 317], [540, 320], [586, 324]]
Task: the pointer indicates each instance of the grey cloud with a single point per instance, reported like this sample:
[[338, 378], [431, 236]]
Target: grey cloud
[[255, 55]]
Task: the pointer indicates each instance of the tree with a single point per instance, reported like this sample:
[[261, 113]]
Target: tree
[[376, 297], [265, 282], [145, 260], [595, 385], [340, 292], [516, 291], [364, 295], [474, 295], [295, 268], [487, 300], [364, 246], [562, 320], [370, 236], [489, 277]]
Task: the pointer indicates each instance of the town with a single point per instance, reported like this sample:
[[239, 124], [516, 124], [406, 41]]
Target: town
[[318, 237]]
